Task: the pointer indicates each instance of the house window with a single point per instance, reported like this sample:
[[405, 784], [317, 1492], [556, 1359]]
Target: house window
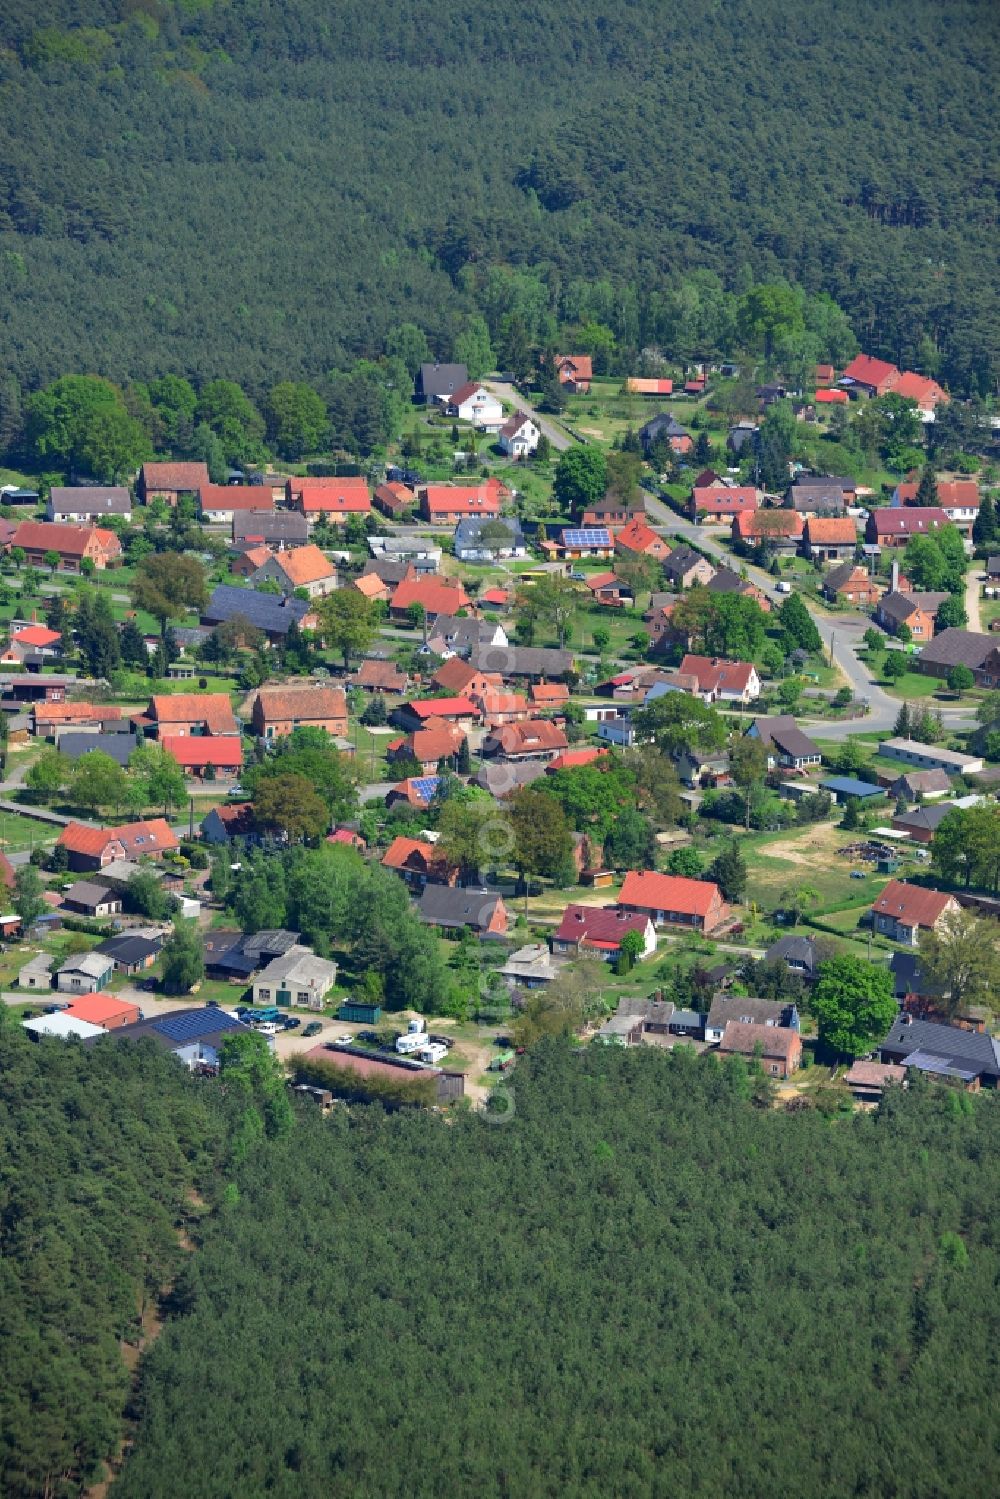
[[264, 993], [302, 997], [774, 1068]]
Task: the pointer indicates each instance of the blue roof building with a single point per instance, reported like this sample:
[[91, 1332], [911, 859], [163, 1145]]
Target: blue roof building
[[842, 788], [266, 611]]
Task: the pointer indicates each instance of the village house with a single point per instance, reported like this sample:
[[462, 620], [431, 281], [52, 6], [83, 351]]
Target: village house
[[329, 499], [599, 930], [52, 715], [473, 402], [228, 823], [273, 614], [575, 372], [279, 710], [903, 911], [921, 823], [479, 539], [781, 530], [873, 377], [852, 585], [299, 567], [243, 564], [914, 610], [436, 383], [830, 538], [869, 1080], [831, 398], [433, 595], [548, 695], [456, 910], [537, 739], [612, 512], [459, 679], [657, 619], [927, 393], [893, 528], [817, 501], [415, 791], [921, 783], [33, 643], [638, 539], [740, 436], [447, 504], [296, 977], [381, 676], [519, 436], [542, 663], [190, 713], [943, 1051], [770, 1014], [957, 647], [168, 481], [87, 898], [958, 498], [94, 848], [725, 580], [672, 900], [403, 552], [270, 528], [716, 503], [88, 503], [722, 681], [665, 428], [610, 592], [578, 544], [205, 755], [450, 636], [394, 499], [219, 504], [453, 710], [437, 741], [497, 707], [85, 973], [779, 1050], [72, 545], [787, 746], [685, 568], [419, 863]]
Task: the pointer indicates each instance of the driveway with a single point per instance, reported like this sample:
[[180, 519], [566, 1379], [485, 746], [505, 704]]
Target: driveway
[[559, 439], [972, 600]]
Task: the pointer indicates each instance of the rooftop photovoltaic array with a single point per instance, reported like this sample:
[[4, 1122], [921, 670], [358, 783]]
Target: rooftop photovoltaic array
[[191, 1024], [591, 537]]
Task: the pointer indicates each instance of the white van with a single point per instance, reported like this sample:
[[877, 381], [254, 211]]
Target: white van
[[783, 587]]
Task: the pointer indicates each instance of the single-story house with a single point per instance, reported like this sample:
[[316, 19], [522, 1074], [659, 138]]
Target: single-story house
[[831, 538], [925, 783], [902, 911], [948, 1051], [875, 377], [430, 745], [415, 791], [727, 580], [454, 909], [271, 528], [90, 899], [381, 676], [329, 499], [420, 711], [200, 754], [394, 499], [529, 967], [869, 1080], [295, 977], [195, 1036], [599, 930], [665, 428], [543, 663], [672, 900], [483, 540], [36, 974], [72, 545], [182, 713], [90, 502], [715, 503], [447, 504], [780, 530], [894, 528], [418, 862], [785, 742], [609, 591], [722, 681], [915, 610], [640, 540], [131, 954], [219, 504], [578, 543]]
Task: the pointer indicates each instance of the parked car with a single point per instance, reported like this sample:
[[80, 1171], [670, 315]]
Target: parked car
[[313, 1028], [292, 1022]]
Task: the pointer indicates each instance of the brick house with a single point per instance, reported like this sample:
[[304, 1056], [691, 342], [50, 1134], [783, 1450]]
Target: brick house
[[685, 568], [194, 753], [278, 710], [298, 567], [419, 863], [894, 528], [958, 498], [72, 544], [394, 499], [639, 539], [778, 1049], [191, 713], [781, 529], [875, 377], [220, 504], [599, 930], [434, 595], [331, 499], [720, 502], [447, 504], [853, 585], [537, 739], [435, 742], [832, 538], [93, 848], [168, 481], [672, 900], [915, 610], [575, 372], [453, 909]]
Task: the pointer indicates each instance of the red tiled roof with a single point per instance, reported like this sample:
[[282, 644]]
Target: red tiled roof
[[454, 675], [498, 596], [348, 836], [751, 525], [913, 905], [531, 737], [302, 565], [919, 388], [838, 530], [435, 595], [329, 496], [443, 707], [725, 499], [384, 674], [465, 392], [436, 741], [668, 892], [573, 759], [716, 675], [598, 926], [395, 495], [549, 694], [180, 476], [640, 387], [865, 370], [68, 541], [303, 703], [152, 836], [195, 751], [100, 1009], [213, 709], [75, 712], [831, 398], [416, 855], [952, 494], [415, 790], [575, 366], [637, 536], [36, 635], [235, 497], [908, 522], [235, 813], [465, 499], [775, 1040]]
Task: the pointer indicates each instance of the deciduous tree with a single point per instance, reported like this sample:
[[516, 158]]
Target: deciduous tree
[[854, 1003]]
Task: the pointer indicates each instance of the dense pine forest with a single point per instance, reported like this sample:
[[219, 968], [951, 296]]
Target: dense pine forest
[[242, 189]]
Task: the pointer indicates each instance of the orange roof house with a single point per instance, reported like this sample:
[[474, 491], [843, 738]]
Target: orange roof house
[[218, 503], [831, 398], [639, 538], [672, 900], [278, 710], [722, 501], [299, 567], [196, 752], [780, 526], [36, 637], [927, 393], [637, 386], [833, 538], [334, 499], [245, 563], [394, 499], [549, 694], [167, 481], [575, 371], [382, 676], [419, 863], [902, 911], [464, 680], [92, 848], [537, 739], [191, 713], [446, 504], [72, 544], [434, 595], [52, 715], [435, 742], [106, 1010]]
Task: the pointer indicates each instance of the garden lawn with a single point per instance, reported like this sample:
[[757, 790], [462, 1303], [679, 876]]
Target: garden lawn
[[18, 833], [797, 857]]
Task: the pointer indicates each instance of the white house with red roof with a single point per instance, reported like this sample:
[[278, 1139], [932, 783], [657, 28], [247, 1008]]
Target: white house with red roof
[[33, 640], [722, 681], [958, 498], [598, 930], [474, 403], [519, 436]]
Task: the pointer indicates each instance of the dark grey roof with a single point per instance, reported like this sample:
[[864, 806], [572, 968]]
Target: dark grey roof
[[783, 731], [838, 576], [923, 819], [91, 499], [88, 893], [181, 1027], [385, 569], [503, 780], [441, 379], [851, 786], [268, 525], [908, 977], [522, 660], [469, 529], [463, 633], [726, 1007], [665, 424], [118, 746], [899, 606], [956, 647], [727, 580], [268, 611], [975, 1050], [441, 905], [269, 944], [993, 566], [127, 950], [822, 501], [680, 559], [797, 952], [826, 481]]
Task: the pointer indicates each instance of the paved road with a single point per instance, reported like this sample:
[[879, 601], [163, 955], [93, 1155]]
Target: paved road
[[841, 634], [559, 439]]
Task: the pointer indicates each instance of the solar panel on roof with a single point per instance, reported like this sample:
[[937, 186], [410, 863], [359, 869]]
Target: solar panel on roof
[[589, 537], [188, 1025], [427, 786]]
